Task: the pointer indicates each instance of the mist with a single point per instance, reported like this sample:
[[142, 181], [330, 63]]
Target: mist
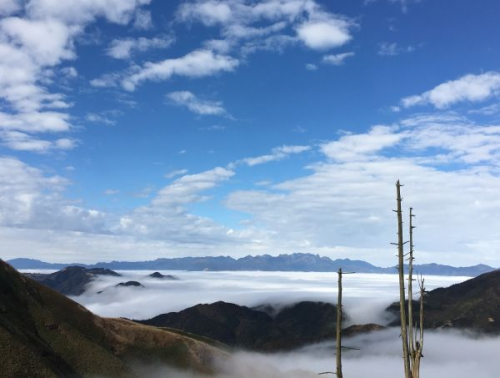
[[447, 354], [365, 295]]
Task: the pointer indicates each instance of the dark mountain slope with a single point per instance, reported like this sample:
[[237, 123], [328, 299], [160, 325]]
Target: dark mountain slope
[[45, 334], [71, 280], [240, 326], [473, 304]]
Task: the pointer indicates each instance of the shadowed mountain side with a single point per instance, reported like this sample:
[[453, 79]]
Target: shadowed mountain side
[[240, 326], [71, 280], [45, 334], [473, 304]]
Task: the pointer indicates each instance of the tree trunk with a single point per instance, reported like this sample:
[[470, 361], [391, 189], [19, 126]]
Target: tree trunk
[[402, 299], [339, 327]]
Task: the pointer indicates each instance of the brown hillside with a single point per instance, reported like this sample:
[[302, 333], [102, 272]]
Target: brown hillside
[[45, 334]]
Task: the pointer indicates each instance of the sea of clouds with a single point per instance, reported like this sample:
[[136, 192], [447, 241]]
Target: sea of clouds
[[365, 295], [447, 354]]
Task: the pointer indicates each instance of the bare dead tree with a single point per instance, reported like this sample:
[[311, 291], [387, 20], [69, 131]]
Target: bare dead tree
[[416, 334], [402, 296], [412, 336], [410, 287], [338, 351]]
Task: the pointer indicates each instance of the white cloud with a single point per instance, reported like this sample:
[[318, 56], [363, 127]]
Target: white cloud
[[362, 146], [278, 153], [69, 72], [468, 88], [186, 188], [487, 110], [311, 67], [20, 141], [209, 12], [125, 48], [32, 46], [324, 34], [196, 105], [109, 80], [198, 63], [85, 11], [337, 59], [30, 199], [98, 118], [244, 26], [393, 49], [178, 172], [39, 122], [111, 192], [143, 20], [8, 7], [247, 24], [346, 201], [48, 42], [167, 218]]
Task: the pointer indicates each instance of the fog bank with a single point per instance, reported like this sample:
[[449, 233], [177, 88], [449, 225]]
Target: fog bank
[[365, 295], [447, 355]]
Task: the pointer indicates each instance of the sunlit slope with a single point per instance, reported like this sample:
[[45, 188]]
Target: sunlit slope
[[45, 334]]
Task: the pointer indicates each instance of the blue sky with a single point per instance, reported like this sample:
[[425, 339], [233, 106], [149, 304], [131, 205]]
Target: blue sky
[[137, 129]]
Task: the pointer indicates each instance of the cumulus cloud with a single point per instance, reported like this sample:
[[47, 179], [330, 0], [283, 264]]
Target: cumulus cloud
[[83, 11], [468, 88], [337, 59], [35, 38], [195, 104], [125, 48], [167, 216], [277, 153], [30, 199], [197, 63], [361, 146], [247, 25], [20, 141], [324, 34], [39, 122], [347, 199]]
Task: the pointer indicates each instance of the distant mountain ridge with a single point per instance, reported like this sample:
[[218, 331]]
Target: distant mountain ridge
[[296, 262]]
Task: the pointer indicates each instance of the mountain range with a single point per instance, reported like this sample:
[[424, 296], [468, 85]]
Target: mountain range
[[296, 262]]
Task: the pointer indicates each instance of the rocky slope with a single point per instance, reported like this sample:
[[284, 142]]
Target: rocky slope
[[45, 334]]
